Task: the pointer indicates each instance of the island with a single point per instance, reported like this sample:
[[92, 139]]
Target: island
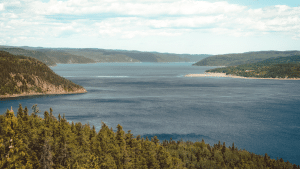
[[212, 74], [27, 76]]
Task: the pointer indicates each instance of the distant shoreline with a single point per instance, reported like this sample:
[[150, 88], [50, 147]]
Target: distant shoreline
[[234, 76], [39, 94]]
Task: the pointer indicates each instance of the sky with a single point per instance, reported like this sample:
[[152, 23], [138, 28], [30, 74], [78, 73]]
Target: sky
[[173, 26]]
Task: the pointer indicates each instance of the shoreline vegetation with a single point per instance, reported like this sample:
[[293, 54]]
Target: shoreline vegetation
[[210, 74], [79, 91], [280, 68], [30, 141]]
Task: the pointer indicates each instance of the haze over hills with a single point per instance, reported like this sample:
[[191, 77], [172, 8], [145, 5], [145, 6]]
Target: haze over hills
[[243, 58], [31, 53], [64, 57], [106, 55], [22, 75], [51, 56]]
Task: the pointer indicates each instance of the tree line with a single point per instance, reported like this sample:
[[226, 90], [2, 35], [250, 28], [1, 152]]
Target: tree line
[[30, 141]]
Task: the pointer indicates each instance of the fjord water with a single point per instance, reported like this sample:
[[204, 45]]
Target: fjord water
[[261, 116]]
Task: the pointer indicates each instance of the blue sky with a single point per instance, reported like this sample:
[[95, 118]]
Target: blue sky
[[174, 26]]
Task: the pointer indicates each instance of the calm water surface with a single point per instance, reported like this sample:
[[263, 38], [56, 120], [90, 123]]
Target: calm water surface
[[261, 116]]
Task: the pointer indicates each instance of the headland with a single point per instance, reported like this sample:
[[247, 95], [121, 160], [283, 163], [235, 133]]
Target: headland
[[210, 74]]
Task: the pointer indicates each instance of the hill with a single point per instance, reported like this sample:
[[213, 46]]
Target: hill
[[22, 75], [65, 58], [243, 58], [48, 56], [51, 56], [280, 67], [31, 53], [106, 55], [29, 141], [100, 55]]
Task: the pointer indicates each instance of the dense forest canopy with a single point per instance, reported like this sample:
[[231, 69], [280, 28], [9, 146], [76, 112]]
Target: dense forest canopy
[[22, 74], [243, 58], [280, 67], [30, 141]]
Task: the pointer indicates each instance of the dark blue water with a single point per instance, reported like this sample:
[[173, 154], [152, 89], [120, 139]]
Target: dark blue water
[[261, 116]]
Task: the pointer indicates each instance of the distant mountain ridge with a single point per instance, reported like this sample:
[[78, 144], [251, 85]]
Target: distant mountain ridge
[[243, 58], [64, 57], [31, 53], [52, 56]]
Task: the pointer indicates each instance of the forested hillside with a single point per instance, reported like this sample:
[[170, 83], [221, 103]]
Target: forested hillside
[[281, 67], [31, 53], [243, 58], [28, 76], [29, 141], [47, 56], [51, 56], [106, 55], [62, 57]]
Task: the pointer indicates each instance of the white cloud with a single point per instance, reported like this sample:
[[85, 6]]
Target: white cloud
[[1, 6], [130, 19], [183, 7], [187, 22]]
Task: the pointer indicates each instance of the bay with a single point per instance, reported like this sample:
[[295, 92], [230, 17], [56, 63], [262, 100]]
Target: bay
[[261, 116]]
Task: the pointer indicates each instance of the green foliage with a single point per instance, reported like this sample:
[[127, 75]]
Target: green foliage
[[281, 67], [20, 72], [35, 142], [243, 58]]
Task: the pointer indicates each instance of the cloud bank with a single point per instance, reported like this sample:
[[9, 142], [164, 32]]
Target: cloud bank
[[29, 21]]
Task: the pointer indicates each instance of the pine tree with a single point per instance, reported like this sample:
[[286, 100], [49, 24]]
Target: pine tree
[[122, 158], [46, 160]]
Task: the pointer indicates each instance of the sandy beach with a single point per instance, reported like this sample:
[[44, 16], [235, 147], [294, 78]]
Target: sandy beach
[[209, 74]]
